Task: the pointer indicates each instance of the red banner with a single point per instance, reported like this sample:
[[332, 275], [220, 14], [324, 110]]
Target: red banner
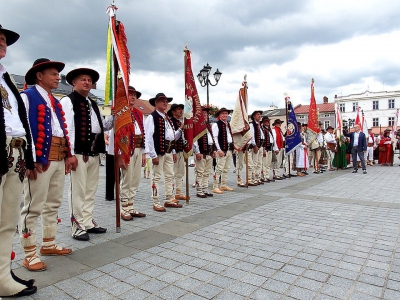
[[313, 113], [195, 123]]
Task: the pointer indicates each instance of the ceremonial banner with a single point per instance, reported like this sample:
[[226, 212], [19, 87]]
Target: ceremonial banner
[[117, 48], [364, 127], [239, 121], [195, 123], [293, 138], [394, 126], [313, 125], [338, 126], [358, 119]]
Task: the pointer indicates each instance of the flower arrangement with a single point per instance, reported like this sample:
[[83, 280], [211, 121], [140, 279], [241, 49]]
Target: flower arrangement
[[213, 109]]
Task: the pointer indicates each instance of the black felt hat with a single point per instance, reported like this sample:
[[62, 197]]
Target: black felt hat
[[152, 101], [221, 110], [82, 71], [39, 65], [132, 89], [277, 121], [172, 108], [256, 111], [11, 36]]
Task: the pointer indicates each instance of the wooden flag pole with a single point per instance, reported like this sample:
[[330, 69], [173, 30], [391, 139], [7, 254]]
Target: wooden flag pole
[[286, 108], [116, 164], [246, 148], [186, 158]]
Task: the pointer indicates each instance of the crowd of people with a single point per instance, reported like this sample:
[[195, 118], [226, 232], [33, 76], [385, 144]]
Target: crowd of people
[[44, 139]]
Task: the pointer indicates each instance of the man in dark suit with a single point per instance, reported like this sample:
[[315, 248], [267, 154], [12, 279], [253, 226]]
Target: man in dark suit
[[358, 145]]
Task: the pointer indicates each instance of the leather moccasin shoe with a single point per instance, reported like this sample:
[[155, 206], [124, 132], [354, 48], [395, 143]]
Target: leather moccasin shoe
[[171, 204], [216, 191], [180, 197], [137, 214], [54, 250], [159, 208], [81, 237], [201, 195], [208, 194], [34, 267], [226, 188], [96, 230], [25, 292], [126, 216]]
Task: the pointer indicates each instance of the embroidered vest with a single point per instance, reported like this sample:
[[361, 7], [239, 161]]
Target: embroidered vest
[[3, 137], [85, 144], [37, 105], [257, 133], [267, 143], [203, 141], [137, 115], [159, 133], [179, 142], [279, 139]]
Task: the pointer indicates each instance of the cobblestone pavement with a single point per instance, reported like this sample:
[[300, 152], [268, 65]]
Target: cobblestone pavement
[[323, 236]]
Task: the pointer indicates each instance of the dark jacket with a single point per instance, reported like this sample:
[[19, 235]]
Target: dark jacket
[[362, 141]]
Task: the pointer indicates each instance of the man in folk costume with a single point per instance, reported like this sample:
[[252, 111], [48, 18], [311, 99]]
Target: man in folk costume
[[280, 143], [130, 173], [257, 143], [204, 151], [268, 148], [175, 114], [224, 143], [371, 146], [15, 159], [44, 186], [86, 132], [330, 141], [301, 153], [159, 145]]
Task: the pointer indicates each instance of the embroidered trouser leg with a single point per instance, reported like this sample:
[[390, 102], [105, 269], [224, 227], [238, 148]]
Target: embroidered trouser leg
[[257, 163], [130, 180], [43, 197], [222, 169], [279, 159], [164, 168], [203, 167], [83, 187], [179, 172], [266, 164], [370, 154], [10, 196]]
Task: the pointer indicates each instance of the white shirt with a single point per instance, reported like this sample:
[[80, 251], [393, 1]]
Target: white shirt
[[14, 127], [170, 134], [215, 131], [356, 136], [330, 138], [253, 138], [68, 108]]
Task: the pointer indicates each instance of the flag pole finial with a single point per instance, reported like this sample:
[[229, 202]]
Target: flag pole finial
[[312, 80]]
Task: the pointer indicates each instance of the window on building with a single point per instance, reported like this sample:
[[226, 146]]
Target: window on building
[[342, 107], [391, 103], [326, 124], [375, 104], [355, 105], [391, 121], [375, 122], [327, 115]]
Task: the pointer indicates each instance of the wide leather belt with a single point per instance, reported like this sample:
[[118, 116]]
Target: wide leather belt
[[58, 150], [370, 144], [138, 141], [169, 146]]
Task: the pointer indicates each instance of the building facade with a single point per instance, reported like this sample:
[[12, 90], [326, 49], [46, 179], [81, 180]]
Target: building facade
[[379, 108], [326, 113]]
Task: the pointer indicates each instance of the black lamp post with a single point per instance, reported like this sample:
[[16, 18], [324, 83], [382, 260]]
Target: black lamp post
[[204, 80]]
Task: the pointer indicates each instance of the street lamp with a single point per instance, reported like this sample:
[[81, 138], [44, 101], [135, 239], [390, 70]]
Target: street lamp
[[204, 80]]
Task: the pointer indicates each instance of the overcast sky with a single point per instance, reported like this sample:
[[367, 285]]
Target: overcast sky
[[346, 46]]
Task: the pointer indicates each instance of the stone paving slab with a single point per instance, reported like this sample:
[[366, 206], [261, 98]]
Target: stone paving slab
[[286, 242]]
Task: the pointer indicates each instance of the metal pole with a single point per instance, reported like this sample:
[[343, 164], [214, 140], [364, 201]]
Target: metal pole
[[287, 156]]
